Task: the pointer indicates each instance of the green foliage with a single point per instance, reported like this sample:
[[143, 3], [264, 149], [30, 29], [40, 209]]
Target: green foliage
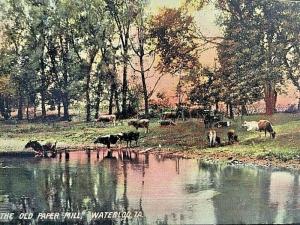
[[206, 88], [252, 52], [194, 4], [175, 42]]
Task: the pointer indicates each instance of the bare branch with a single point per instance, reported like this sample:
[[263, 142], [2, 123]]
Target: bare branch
[[155, 85]]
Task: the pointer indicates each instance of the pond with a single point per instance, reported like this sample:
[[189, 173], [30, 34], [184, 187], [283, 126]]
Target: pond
[[154, 188]]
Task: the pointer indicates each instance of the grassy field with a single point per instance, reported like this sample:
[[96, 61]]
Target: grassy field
[[188, 136]]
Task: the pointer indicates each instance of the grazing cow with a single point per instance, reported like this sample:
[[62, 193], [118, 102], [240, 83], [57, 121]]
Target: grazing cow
[[107, 140], [43, 150], [232, 137], [49, 147], [251, 125], [167, 123], [35, 145], [144, 123], [169, 115], [129, 137], [222, 124], [107, 119], [266, 126], [213, 139]]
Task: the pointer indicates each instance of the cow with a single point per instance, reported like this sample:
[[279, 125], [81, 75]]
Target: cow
[[143, 123], [213, 139], [107, 118], [222, 124], [210, 119], [169, 115], [107, 140], [129, 137], [232, 136], [251, 125], [43, 150], [266, 126], [167, 123]]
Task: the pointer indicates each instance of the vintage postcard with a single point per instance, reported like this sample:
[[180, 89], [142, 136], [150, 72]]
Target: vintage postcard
[[146, 112]]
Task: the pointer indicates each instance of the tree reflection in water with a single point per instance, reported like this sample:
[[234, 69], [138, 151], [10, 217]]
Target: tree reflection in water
[[166, 190]]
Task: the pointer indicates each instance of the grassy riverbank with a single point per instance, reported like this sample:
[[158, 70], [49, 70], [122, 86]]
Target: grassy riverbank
[[187, 138]]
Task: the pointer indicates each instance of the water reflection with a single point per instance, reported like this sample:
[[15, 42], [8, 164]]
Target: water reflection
[[165, 190]]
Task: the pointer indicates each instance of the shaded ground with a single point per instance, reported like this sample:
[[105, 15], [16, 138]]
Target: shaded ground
[[187, 138]]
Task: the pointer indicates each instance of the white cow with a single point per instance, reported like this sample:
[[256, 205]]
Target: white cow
[[213, 139], [251, 125]]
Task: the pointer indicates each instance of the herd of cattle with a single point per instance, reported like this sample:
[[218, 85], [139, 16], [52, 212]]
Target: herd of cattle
[[167, 119], [261, 125]]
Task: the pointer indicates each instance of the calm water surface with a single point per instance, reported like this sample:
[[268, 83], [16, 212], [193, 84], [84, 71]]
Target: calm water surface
[[165, 190]]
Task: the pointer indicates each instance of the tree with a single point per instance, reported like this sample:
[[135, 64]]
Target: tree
[[206, 88], [14, 31], [194, 4], [176, 45], [144, 50], [253, 48], [89, 24], [6, 93], [123, 12], [291, 57], [64, 64]]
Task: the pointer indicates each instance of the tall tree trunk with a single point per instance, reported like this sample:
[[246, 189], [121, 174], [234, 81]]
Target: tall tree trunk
[[98, 99], [145, 91], [4, 108], [124, 89], [64, 84], [20, 106], [270, 98], [217, 106], [7, 109], [27, 109], [117, 100], [59, 109], [43, 75], [88, 69], [111, 98], [43, 87], [227, 109], [34, 111], [87, 97], [65, 101], [275, 101], [231, 114], [244, 110]]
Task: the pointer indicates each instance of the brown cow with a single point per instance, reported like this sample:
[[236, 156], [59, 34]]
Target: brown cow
[[232, 137], [143, 123], [265, 125], [169, 115], [167, 123], [107, 118]]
